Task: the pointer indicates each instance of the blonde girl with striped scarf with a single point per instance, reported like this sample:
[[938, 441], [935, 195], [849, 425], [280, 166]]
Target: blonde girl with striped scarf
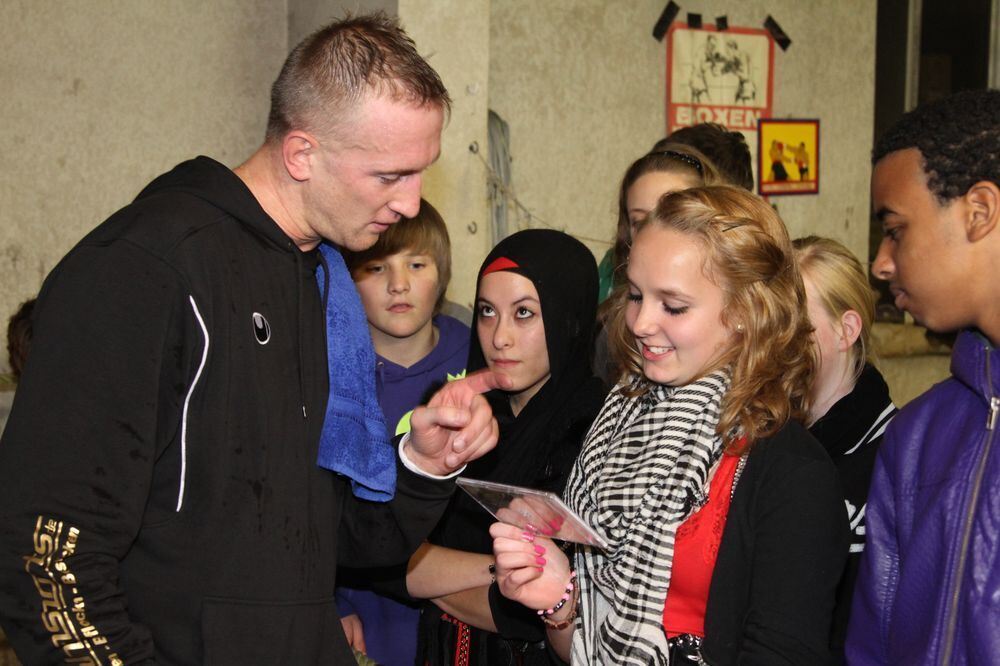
[[726, 527]]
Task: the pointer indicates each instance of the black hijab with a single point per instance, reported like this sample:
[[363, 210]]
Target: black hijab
[[539, 446]]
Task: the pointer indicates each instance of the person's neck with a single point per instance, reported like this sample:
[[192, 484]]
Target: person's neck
[[825, 397], [990, 323], [265, 177], [518, 401], [406, 351]]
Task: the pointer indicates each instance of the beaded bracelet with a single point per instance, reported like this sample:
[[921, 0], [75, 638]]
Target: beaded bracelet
[[568, 620], [565, 597]]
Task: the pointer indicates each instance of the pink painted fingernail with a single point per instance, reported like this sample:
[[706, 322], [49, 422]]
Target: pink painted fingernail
[[528, 536], [540, 550], [540, 561], [547, 531], [556, 523]]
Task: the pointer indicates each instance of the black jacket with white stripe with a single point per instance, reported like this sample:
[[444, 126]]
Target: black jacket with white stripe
[[159, 493], [851, 432]]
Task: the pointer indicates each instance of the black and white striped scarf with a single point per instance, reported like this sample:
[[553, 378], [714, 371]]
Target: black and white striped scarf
[[643, 470]]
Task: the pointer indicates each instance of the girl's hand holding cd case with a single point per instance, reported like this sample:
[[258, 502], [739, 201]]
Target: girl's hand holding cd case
[[530, 509]]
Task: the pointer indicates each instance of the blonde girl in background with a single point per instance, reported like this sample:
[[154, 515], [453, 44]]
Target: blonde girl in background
[[850, 406]]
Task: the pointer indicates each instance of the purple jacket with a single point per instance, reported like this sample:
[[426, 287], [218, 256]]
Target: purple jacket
[[929, 587]]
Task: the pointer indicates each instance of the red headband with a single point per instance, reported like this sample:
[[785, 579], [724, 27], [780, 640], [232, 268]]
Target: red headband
[[499, 264]]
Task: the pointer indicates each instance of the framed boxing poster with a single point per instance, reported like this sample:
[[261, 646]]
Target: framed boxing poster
[[724, 77], [788, 156]]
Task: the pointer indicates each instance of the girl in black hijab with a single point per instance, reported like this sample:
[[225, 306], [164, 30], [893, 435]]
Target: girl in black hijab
[[535, 282]]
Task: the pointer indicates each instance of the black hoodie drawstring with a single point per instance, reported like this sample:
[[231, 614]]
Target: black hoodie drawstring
[[301, 327]]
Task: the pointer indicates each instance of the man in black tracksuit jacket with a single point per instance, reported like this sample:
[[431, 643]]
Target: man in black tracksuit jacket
[[159, 493]]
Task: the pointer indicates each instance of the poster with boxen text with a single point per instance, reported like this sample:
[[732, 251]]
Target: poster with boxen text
[[724, 77]]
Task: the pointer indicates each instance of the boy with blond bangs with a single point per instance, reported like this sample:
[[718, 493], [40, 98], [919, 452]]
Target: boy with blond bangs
[[402, 280]]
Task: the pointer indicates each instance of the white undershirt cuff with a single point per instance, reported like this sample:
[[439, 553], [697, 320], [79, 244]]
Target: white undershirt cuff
[[410, 465]]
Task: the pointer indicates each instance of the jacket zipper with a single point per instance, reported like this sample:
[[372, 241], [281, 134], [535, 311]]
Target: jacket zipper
[[952, 620], [991, 420]]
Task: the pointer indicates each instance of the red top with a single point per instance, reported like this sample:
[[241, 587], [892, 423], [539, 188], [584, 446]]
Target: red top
[[696, 545]]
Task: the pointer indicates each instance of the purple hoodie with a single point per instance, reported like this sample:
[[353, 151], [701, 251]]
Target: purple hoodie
[[390, 627]]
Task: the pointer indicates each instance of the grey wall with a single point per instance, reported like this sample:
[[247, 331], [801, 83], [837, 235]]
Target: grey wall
[[304, 16], [101, 96], [582, 86]]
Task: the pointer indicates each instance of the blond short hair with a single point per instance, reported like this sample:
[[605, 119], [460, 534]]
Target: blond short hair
[[424, 233], [329, 72]]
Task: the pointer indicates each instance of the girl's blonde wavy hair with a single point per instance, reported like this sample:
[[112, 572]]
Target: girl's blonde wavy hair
[[749, 256]]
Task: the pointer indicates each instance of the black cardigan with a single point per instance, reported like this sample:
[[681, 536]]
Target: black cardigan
[[782, 553]]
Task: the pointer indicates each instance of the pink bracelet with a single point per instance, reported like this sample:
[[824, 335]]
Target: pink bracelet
[[565, 597]]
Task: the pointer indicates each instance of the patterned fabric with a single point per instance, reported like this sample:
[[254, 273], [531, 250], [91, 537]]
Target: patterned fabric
[[354, 441], [696, 549], [643, 470]]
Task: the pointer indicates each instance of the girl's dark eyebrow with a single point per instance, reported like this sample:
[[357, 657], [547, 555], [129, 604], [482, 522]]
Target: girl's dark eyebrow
[[515, 302]]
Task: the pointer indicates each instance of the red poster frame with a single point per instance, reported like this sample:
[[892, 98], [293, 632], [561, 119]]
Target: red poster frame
[[692, 113]]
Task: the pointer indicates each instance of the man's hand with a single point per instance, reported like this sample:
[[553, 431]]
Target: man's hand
[[456, 426]]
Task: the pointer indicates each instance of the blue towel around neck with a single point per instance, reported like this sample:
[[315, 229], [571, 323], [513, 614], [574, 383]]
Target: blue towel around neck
[[354, 441]]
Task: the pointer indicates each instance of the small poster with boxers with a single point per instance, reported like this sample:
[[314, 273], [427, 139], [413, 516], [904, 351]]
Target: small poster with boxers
[[788, 156]]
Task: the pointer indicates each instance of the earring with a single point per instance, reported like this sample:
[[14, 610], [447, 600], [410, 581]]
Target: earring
[[739, 327]]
